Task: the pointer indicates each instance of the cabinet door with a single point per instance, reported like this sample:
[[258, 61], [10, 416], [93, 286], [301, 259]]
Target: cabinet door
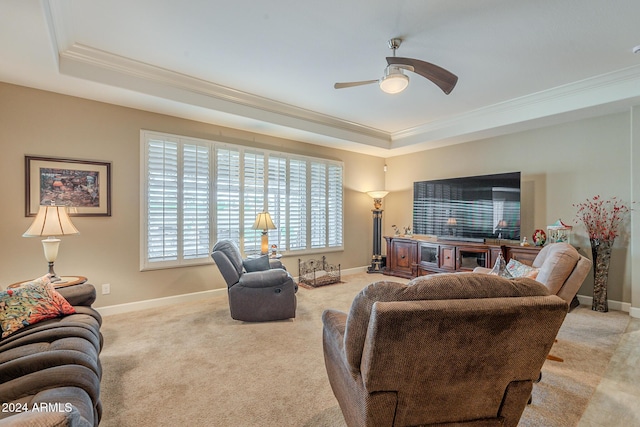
[[428, 256], [470, 258], [403, 256], [448, 258]]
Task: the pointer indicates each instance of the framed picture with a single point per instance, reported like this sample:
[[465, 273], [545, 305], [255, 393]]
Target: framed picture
[[83, 185]]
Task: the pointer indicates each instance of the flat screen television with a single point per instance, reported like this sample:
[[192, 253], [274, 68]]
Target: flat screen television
[[474, 208]]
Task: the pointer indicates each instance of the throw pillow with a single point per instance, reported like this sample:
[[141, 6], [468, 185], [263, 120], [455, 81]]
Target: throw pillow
[[30, 303], [518, 269], [500, 268], [256, 264]]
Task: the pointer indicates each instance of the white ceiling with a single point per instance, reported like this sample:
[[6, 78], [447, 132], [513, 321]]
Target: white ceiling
[[269, 66]]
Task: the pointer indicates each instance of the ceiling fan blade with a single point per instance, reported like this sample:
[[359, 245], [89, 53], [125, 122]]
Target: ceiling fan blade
[[444, 79], [352, 84]]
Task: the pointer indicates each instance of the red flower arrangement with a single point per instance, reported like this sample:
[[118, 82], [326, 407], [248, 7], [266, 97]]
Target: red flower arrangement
[[601, 217]]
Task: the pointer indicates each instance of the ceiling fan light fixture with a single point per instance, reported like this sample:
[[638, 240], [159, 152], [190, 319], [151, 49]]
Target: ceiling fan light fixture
[[394, 81]]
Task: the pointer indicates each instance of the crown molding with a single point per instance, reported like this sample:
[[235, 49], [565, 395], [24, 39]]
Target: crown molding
[[76, 59], [620, 88]]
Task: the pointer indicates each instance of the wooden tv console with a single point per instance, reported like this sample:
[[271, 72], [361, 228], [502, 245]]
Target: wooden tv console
[[410, 257]]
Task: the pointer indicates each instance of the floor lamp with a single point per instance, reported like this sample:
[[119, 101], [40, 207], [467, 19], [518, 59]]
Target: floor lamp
[[376, 260], [51, 221]]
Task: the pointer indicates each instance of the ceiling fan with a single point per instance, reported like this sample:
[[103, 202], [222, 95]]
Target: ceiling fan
[[395, 80]]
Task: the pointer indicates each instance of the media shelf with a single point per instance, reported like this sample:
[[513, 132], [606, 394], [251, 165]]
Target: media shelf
[[410, 257]]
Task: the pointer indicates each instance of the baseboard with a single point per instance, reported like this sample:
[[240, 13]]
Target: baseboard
[[177, 299], [613, 305], [634, 312], [156, 302]]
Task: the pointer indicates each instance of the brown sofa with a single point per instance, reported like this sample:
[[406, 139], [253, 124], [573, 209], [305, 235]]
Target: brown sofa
[[443, 349], [50, 371]]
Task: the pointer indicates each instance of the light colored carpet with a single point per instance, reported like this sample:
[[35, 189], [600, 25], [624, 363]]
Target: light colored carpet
[[192, 364]]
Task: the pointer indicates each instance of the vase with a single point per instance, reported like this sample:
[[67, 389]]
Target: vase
[[601, 252]]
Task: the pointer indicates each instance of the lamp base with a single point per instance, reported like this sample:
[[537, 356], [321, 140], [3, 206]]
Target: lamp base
[[53, 277], [377, 264], [264, 243]]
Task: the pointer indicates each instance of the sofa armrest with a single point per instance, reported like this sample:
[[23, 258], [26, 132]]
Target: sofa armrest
[[338, 366], [264, 279], [81, 294], [68, 418], [334, 322]]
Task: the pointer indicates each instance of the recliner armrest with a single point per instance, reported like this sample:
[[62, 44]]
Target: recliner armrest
[[264, 279], [276, 263], [334, 322]]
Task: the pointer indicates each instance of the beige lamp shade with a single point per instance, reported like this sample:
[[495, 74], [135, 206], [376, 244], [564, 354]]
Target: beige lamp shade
[[264, 222], [51, 221]]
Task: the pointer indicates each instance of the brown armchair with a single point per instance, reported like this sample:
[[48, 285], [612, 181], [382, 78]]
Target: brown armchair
[[447, 348], [561, 269]]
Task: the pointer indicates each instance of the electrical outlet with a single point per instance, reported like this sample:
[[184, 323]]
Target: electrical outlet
[[106, 289]]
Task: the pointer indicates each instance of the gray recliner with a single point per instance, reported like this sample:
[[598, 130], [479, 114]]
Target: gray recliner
[[265, 292]]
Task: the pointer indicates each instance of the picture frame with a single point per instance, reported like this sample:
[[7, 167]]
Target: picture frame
[[82, 185]]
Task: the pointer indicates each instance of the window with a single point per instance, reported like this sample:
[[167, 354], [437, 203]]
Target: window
[[196, 192]]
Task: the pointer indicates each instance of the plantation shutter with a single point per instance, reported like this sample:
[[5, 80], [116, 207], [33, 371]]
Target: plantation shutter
[[227, 187], [277, 200], [334, 211], [195, 201], [318, 205], [253, 197], [196, 192], [162, 200], [297, 204]]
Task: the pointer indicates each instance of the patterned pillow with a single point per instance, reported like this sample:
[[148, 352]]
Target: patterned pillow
[[30, 303], [518, 269], [500, 268]]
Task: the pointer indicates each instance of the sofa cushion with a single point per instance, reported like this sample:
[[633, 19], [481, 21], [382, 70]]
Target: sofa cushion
[[30, 303], [432, 287]]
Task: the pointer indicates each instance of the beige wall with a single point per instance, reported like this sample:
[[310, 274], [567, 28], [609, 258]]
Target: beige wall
[[34, 122], [561, 165]]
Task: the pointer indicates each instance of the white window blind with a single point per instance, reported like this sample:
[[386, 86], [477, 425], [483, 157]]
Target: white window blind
[[227, 186], [162, 200], [196, 189], [253, 199], [196, 192], [298, 206]]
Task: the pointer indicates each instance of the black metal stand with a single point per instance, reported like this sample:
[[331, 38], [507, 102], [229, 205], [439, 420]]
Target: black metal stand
[[376, 260]]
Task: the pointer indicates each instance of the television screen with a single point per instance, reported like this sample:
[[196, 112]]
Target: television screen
[[472, 208]]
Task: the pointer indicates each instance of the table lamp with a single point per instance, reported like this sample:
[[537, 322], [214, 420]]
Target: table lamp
[[264, 223], [51, 221]]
